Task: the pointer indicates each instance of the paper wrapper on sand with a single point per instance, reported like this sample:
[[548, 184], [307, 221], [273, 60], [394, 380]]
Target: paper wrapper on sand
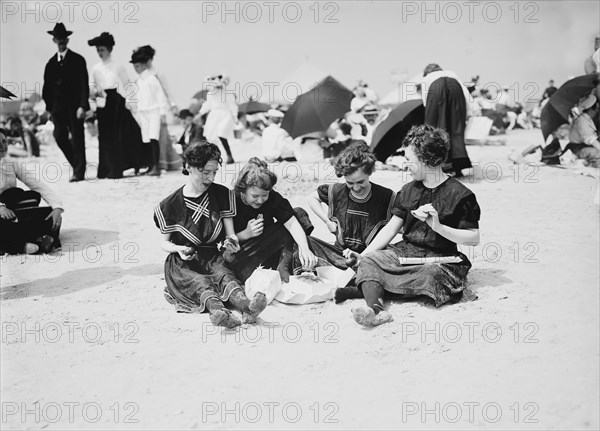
[[300, 290], [263, 280], [340, 277]]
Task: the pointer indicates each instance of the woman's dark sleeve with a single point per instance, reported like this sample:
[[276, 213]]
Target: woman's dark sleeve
[[468, 213], [282, 209], [400, 208], [323, 192]]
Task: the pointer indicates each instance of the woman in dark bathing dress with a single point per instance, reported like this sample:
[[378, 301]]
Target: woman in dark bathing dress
[[266, 224], [193, 220], [356, 211], [437, 213]]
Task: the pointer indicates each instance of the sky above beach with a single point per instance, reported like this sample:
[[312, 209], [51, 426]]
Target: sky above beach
[[260, 44]]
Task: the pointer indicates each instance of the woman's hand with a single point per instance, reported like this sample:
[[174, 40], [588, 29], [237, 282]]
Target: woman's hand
[[232, 243], [332, 226], [307, 258], [6, 213], [186, 253], [433, 219], [352, 257], [255, 228], [56, 216]]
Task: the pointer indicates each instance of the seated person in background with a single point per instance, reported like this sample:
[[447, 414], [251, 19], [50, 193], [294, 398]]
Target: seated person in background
[[192, 131], [487, 104], [276, 142], [342, 140], [29, 122], [548, 92], [24, 226], [583, 138]]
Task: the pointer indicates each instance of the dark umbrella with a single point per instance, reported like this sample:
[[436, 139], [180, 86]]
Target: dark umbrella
[[315, 110], [253, 107], [557, 109], [5, 94], [197, 100], [388, 135], [200, 95]]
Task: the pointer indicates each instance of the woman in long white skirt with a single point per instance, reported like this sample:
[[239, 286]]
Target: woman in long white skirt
[[222, 114]]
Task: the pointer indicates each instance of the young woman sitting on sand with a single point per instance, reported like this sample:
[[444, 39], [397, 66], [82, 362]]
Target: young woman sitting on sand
[[356, 211], [267, 225], [193, 220], [437, 212]]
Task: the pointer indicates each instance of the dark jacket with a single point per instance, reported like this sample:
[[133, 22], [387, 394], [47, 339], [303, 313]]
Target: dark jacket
[[66, 86]]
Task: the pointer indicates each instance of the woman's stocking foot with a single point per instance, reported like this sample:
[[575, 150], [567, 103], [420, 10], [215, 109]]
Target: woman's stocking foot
[[342, 294], [365, 316], [257, 305], [30, 248], [224, 318]]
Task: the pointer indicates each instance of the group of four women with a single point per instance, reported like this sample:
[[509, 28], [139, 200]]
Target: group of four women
[[257, 226]]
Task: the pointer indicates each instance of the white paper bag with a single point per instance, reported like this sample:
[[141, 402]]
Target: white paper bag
[[478, 128], [340, 277], [263, 280], [300, 290]]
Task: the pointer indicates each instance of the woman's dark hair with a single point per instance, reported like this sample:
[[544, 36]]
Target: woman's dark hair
[[430, 144], [199, 153], [256, 173], [148, 51], [354, 157], [431, 67], [3, 131]]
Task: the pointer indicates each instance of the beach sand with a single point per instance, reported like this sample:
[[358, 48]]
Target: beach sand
[[88, 341]]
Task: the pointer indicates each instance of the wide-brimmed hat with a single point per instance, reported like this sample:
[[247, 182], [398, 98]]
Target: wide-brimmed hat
[[220, 80], [185, 113], [60, 31], [105, 39], [275, 113], [369, 110], [586, 102]]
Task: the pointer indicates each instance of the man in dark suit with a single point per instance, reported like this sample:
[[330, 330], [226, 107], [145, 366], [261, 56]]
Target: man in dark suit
[[192, 131], [66, 92]]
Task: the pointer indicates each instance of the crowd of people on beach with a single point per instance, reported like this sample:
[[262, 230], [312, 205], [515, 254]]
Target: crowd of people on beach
[[217, 237]]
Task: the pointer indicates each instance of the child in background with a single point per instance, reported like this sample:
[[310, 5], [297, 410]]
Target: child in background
[[151, 102]]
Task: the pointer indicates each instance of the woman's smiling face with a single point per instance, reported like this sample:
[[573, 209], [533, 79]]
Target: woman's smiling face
[[204, 176], [358, 182], [255, 197]]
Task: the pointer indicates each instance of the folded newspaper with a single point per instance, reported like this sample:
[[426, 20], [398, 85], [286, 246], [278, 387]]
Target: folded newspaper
[[431, 259]]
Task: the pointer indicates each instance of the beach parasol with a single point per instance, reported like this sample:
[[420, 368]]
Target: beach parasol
[[315, 110], [556, 111], [253, 107], [200, 95], [388, 135], [5, 94]]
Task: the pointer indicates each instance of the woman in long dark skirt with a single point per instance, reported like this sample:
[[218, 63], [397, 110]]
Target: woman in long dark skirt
[[119, 136], [267, 225], [356, 211], [437, 213], [445, 100], [193, 220]]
